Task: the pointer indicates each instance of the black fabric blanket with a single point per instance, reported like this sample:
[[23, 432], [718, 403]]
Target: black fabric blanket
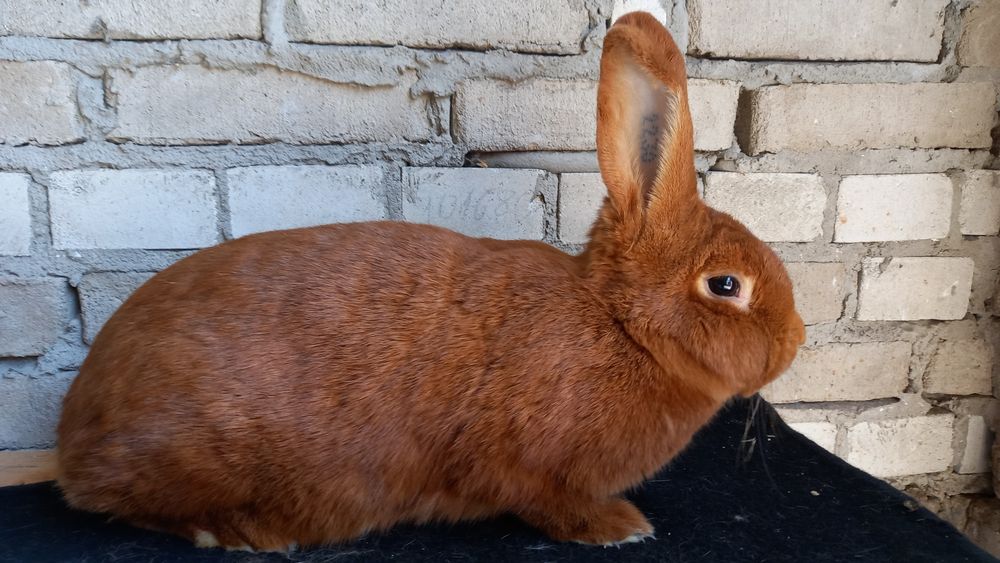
[[743, 491]]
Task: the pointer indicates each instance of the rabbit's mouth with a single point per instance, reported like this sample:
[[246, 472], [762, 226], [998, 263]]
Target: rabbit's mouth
[[782, 354]]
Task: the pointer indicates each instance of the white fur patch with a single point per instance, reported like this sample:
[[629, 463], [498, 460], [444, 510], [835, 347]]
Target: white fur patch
[[205, 539], [634, 538]]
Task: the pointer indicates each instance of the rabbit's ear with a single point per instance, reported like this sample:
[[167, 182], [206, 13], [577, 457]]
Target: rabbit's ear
[[645, 143]]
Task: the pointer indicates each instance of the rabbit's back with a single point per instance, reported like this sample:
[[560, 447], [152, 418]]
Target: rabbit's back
[[295, 368]]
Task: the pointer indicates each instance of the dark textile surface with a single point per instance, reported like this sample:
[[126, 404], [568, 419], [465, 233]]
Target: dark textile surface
[[776, 497]]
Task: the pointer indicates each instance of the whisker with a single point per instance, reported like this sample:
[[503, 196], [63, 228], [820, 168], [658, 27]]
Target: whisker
[[762, 431]]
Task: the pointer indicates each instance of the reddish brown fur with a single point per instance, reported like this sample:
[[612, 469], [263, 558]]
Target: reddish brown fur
[[312, 385]]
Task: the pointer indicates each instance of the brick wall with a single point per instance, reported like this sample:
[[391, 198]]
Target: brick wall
[[858, 137]]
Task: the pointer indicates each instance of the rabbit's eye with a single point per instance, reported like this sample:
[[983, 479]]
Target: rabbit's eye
[[724, 286]]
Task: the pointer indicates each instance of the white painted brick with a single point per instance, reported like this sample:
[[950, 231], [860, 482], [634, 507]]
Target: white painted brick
[[906, 446], [713, 112], [823, 433], [907, 289], [193, 104], [815, 117], [128, 19], [539, 114], [29, 410], [553, 26], [819, 290], [38, 103], [817, 29], [102, 293], [980, 41], [975, 443], [979, 213], [155, 209], [479, 202], [844, 372], [960, 367], [15, 215], [268, 198], [580, 198], [775, 207], [544, 114], [893, 207], [33, 313]]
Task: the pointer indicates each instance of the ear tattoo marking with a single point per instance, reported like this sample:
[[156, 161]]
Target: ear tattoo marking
[[649, 142]]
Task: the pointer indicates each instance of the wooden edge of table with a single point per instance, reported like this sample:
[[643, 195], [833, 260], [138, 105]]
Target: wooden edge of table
[[22, 467]]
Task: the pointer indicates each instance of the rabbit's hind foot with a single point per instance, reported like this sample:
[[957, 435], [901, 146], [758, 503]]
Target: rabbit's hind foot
[[235, 534]]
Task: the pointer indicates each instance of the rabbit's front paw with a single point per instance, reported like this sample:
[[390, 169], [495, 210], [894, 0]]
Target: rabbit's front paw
[[610, 522], [638, 537]]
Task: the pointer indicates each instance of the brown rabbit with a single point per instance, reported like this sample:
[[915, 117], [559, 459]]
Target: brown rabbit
[[312, 385]]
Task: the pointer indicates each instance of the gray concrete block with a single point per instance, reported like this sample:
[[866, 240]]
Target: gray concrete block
[[775, 207], [909, 289], [846, 30], [893, 207], [538, 114], [33, 313], [960, 367], [128, 19], [819, 290], [979, 212], [156, 209], [38, 103], [580, 198], [553, 26], [979, 44], [815, 117], [479, 202], [267, 198], [29, 409], [904, 446], [191, 104], [713, 112], [844, 372], [102, 293], [15, 215]]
